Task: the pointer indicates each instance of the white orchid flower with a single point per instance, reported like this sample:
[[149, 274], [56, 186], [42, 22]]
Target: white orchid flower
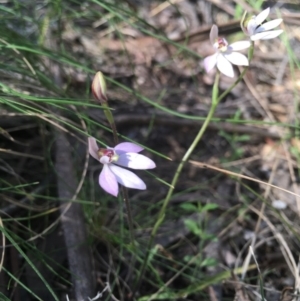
[[123, 154], [225, 54], [259, 31]]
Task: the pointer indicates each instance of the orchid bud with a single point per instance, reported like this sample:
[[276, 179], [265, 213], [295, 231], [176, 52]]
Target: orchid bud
[[99, 87]]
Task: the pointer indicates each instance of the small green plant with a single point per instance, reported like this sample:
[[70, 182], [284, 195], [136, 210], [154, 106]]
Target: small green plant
[[197, 226]]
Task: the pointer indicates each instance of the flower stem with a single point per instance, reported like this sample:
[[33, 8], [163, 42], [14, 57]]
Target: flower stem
[[129, 214], [112, 124], [187, 156], [161, 215], [115, 133]]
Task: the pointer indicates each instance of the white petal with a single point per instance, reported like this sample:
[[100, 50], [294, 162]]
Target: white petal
[[93, 148], [224, 66], [272, 34], [135, 161], [127, 178], [128, 147], [266, 35], [262, 16], [240, 45], [213, 36], [108, 181], [237, 58], [210, 62], [269, 25]]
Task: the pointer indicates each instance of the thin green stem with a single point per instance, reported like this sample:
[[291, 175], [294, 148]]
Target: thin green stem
[[186, 157], [115, 133], [215, 101], [161, 214], [112, 124], [129, 215]]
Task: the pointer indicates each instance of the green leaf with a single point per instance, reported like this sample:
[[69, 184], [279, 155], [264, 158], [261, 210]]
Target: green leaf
[[207, 236], [209, 262], [209, 206], [242, 138], [189, 207], [193, 226]]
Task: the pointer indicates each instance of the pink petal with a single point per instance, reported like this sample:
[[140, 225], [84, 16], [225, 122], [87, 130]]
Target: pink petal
[[266, 35], [269, 25], [128, 147], [127, 178], [224, 66], [213, 36], [210, 62], [93, 148], [108, 181], [240, 45], [237, 58], [261, 17], [135, 161]]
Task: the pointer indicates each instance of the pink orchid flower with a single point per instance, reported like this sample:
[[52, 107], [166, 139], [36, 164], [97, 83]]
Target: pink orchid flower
[[258, 31], [123, 154], [225, 54]]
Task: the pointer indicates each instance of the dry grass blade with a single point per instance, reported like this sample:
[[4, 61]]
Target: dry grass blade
[[258, 224], [204, 165], [21, 154], [158, 9], [287, 294], [23, 58], [284, 246]]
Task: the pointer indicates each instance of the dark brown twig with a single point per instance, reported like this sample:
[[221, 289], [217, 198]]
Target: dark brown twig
[[160, 120], [72, 218], [73, 223]]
